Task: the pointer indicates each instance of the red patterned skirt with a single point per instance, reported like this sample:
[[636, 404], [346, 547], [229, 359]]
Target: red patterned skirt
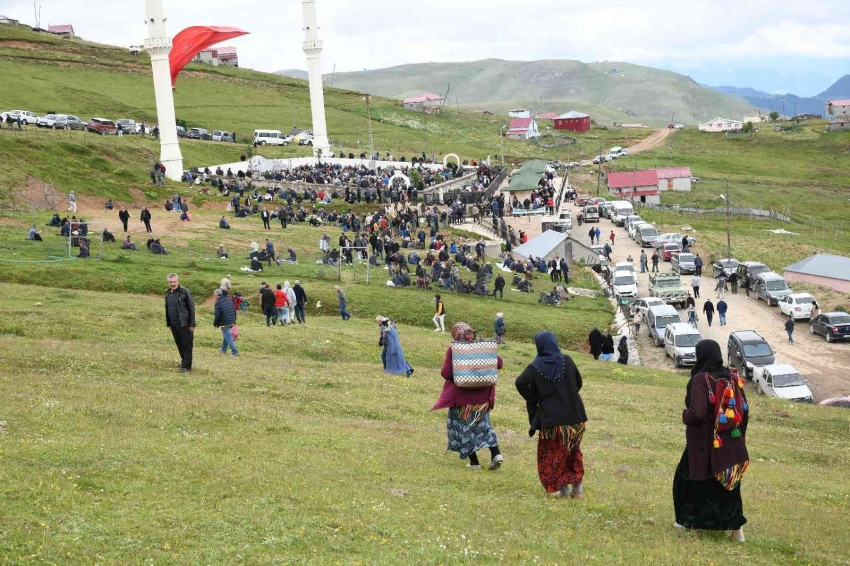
[[559, 458]]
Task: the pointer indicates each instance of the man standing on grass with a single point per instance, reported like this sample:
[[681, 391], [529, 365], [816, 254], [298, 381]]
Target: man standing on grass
[[72, 202], [440, 315], [124, 216], [146, 218], [266, 219], [343, 303], [180, 318], [300, 301]]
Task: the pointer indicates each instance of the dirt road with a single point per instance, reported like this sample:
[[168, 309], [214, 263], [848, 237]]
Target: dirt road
[[824, 365], [657, 138]]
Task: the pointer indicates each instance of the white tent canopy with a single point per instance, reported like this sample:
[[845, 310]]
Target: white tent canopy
[[547, 245]]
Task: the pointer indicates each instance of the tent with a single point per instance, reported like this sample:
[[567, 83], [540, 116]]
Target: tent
[[547, 245], [528, 176]]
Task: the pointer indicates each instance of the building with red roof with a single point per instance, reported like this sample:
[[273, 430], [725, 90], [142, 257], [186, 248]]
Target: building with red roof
[[674, 178], [839, 108], [574, 121], [66, 31], [631, 185], [227, 56], [429, 103], [523, 129]]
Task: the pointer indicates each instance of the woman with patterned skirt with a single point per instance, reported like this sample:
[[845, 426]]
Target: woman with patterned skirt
[[707, 482], [468, 426], [550, 386]]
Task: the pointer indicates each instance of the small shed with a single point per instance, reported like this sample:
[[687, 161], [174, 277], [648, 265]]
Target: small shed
[[826, 270], [630, 185], [548, 245], [840, 125], [65, 30], [227, 56], [523, 129], [574, 121], [429, 103], [674, 178]]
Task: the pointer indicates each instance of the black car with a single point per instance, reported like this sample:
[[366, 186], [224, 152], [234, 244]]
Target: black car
[[198, 134], [727, 266], [831, 325], [747, 350], [749, 270]]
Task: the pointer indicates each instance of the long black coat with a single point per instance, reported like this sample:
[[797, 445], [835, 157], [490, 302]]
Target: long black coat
[[595, 341], [607, 344], [552, 403]]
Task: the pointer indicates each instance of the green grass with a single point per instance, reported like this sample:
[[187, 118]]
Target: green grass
[[303, 451]]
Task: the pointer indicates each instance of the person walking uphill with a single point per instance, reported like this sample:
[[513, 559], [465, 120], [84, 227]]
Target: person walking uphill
[[707, 482], [124, 217], [180, 318], [145, 217], [789, 328], [722, 307], [225, 318], [499, 328], [268, 304], [468, 423], [343, 303], [439, 315], [392, 355], [594, 339], [300, 302], [708, 309], [550, 386]]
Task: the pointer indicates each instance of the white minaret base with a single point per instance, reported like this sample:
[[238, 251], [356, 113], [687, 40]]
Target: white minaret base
[[158, 46], [313, 49]]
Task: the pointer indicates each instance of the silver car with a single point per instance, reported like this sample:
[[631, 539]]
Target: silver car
[[683, 263]]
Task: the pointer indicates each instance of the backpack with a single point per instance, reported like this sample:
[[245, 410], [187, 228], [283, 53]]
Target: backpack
[[729, 405]]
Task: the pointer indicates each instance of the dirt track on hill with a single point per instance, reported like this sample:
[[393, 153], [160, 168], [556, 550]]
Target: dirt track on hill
[[657, 138]]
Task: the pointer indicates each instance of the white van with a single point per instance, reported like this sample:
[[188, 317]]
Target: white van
[[615, 151], [680, 342], [270, 137], [620, 210], [591, 213], [658, 318], [624, 284]]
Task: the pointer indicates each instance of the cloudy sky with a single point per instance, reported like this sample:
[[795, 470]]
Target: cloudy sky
[[792, 46]]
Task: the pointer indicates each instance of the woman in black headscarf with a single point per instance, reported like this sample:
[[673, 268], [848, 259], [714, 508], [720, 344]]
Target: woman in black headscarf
[[623, 349], [595, 342], [550, 386], [706, 486]]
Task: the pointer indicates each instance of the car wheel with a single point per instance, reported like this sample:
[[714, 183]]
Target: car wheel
[[285, 144], [829, 337], [54, 126], [310, 143], [262, 143]]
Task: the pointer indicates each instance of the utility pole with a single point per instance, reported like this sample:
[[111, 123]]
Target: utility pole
[[634, 174], [333, 75], [599, 170], [294, 125], [369, 117], [728, 223], [502, 137]]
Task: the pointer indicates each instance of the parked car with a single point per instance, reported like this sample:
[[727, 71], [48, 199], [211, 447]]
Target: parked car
[[48, 120], [222, 136], [306, 140], [624, 284], [102, 126], [797, 305], [630, 223], [782, 381], [668, 286], [645, 235], [669, 250], [181, 132], [831, 325], [842, 402], [771, 287], [747, 350], [69, 123], [727, 266], [591, 213], [683, 263], [600, 250], [680, 341], [657, 318], [126, 125], [749, 270], [642, 306], [674, 238], [624, 152], [27, 117], [583, 200], [598, 159], [198, 134]]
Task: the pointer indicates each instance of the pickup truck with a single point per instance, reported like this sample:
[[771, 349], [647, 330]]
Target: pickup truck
[[668, 286]]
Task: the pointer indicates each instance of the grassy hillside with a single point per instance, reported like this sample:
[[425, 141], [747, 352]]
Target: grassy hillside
[[610, 91], [302, 451]]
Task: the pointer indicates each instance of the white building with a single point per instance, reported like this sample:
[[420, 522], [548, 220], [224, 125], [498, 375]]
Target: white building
[[429, 103], [674, 178], [757, 119], [8, 21], [838, 108], [721, 125], [519, 113], [523, 129]]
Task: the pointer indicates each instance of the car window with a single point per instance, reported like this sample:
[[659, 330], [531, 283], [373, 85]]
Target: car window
[[804, 300], [663, 321], [841, 319], [777, 285], [757, 350], [688, 340], [788, 380], [624, 280]]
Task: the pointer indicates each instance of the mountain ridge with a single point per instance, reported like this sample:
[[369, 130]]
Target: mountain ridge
[[809, 104]]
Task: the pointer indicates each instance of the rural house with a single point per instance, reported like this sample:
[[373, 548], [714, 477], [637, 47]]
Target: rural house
[[66, 31], [574, 121], [838, 108], [630, 185], [821, 269], [8, 21], [429, 103], [218, 56], [840, 125], [674, 178], [721, 125], [757, 119], [519, 113], [523, 129]]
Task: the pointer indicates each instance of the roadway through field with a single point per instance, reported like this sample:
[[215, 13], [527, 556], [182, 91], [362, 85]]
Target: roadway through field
[[824, 365], [654, 140]]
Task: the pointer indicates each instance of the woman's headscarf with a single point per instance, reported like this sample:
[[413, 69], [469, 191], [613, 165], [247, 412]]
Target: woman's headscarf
[[623, 340], [462, 332], [549, 360], [709, 358]]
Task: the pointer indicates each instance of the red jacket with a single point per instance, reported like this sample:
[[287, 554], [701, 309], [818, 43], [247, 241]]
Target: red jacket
[[454, 396], [280, 299]]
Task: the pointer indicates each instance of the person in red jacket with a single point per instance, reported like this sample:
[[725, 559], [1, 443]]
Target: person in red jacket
[[468, 425]]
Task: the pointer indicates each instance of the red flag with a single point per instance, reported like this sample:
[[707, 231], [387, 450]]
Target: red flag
[[192, 41]]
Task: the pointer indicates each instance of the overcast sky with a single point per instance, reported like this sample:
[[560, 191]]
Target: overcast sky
[[791, 46]]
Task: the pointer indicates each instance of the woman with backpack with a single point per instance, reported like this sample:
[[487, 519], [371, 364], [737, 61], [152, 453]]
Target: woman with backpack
[[707, 482], [468, 424]]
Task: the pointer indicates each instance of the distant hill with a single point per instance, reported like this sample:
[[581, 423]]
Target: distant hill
[[609, 91], [293, 73], [811, 104]]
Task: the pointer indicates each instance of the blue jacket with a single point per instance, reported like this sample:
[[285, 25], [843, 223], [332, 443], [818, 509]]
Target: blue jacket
[[499, 326], [225, 312]]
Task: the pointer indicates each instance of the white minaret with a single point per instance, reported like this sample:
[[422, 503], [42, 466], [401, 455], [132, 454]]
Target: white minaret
[[313, 48], [158, 46]]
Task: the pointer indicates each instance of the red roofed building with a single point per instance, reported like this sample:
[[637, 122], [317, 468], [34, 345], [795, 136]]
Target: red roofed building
[[642, 185], [66, 31], [838, 108], [429, 103], [523, 129], [674, 178], [227, 57], [574, 121]]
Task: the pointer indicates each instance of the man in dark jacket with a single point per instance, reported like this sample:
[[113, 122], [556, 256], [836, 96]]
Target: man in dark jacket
[[300, 301], [698, 265], [124, 216], [595, 341], [225, 318], [708, 309], [499, 285], [180, 318], [267, 302], [146, 218], [607, 347], [565, 271]]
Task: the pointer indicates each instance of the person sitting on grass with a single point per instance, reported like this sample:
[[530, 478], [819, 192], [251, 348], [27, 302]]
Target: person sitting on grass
[[108, 204], [127, 244], [55, 221], [108, 236], [34, 235], [223, 224], [222, 253]]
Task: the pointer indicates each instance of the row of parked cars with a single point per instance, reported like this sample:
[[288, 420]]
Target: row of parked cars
[[748, 351]]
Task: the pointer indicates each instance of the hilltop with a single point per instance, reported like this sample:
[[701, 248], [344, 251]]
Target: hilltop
[[610, 91], [809, 104]]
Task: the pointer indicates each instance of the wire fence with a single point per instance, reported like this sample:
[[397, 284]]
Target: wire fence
[[719, 212]]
